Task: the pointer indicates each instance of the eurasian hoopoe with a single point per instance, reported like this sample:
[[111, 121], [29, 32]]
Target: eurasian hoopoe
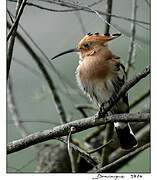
[[100, 75]]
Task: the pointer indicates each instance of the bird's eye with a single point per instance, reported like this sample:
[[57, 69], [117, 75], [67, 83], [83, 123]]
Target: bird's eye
[[86, 45]]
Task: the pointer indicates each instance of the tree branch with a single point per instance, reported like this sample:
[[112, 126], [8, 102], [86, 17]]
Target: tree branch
[[79, 125], [128, 85], [115, 164], [108, 18], [132, 39], [14, 111]]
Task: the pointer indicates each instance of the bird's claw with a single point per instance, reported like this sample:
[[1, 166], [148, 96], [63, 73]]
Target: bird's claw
[[101, 113]]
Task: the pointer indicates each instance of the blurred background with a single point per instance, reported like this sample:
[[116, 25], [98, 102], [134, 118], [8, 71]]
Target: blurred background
[[56, 31]]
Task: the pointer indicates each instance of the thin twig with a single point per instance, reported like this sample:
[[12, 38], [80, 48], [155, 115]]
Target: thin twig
[[49, 9], [12, 40], [80, 125], [38, 75], [115, 164], [18, 16], [28, 68], [95, 134], [82, 111], [108, 18], [107, 150], [148, 3], [10, 16], [95, 3], [14, 111], [141, 98], [78, 15], [86, 8], [101, 147], [56, 10], [85, 106], [38, 61], [12, 33], [30, 121], [27, 164], [107, 23], [13, 168], [70, 151], [127, 34], [132, 39]]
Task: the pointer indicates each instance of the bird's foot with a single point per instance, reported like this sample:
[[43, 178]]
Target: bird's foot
[[101, 113]]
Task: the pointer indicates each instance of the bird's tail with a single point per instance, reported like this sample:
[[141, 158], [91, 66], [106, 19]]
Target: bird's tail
[[125, 135]]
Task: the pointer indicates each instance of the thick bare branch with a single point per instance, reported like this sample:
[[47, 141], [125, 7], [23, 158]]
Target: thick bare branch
[[79, 125]]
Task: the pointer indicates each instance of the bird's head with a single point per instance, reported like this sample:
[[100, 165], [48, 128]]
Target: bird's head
[[90, 43]]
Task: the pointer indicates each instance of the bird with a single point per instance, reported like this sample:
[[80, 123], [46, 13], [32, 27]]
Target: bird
[[100, 75]]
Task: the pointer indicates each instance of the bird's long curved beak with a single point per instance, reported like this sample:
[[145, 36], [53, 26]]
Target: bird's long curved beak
[[114, 36], [65, 52]]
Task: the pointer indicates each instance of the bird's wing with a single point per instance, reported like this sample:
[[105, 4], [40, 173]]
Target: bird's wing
[[117, 82]]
